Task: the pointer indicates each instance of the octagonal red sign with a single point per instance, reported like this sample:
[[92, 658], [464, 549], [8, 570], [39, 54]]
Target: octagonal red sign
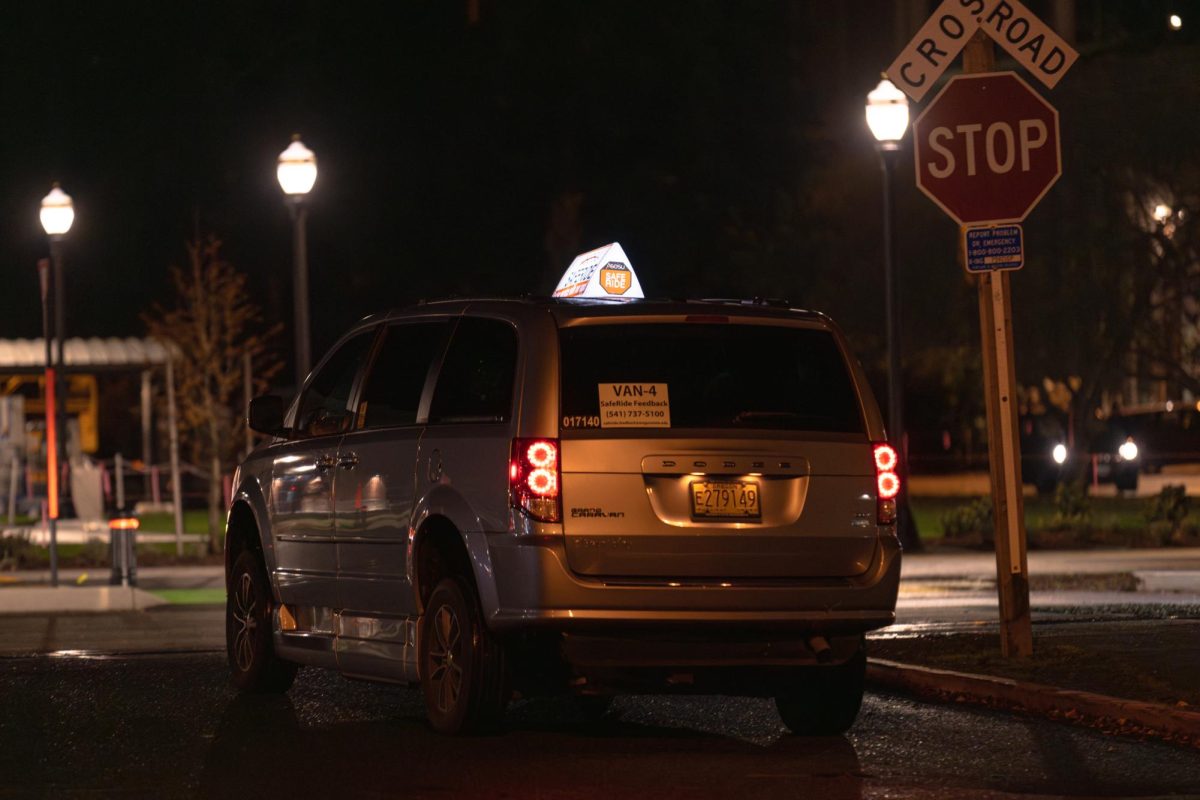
[[987, 148]]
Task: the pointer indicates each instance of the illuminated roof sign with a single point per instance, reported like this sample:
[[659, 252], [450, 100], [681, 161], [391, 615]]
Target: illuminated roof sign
[[604, 272]]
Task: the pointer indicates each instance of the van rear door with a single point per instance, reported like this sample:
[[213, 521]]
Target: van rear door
[[711, 449]]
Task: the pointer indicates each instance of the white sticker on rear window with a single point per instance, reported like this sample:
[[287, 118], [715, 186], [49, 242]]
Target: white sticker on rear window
[[634, 405]]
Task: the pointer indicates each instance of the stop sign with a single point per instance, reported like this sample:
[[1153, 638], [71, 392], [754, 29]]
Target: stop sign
[[987, 148]]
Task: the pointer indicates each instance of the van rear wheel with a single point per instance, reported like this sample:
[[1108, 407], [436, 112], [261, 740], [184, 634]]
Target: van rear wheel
[[825, 700], [462, 665]]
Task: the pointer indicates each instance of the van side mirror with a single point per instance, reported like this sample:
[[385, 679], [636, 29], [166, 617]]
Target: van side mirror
[[265, 415]]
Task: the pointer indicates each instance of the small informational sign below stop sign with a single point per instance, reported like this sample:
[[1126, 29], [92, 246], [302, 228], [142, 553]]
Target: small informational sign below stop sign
[[987, 148], [993, 247]]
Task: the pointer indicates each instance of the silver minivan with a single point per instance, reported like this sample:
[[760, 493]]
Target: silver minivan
[[502, 497]]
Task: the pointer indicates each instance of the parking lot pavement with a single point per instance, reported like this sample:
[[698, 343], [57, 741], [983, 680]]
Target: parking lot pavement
[[170, 726]]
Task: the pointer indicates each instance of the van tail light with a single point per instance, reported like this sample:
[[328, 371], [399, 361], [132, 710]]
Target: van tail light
[[887, 483], [534, 477]]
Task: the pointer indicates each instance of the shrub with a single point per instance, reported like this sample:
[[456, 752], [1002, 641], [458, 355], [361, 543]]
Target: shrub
[[1167, 512], [970, 519], [1072, 509], [15, 551], [1170, 505]]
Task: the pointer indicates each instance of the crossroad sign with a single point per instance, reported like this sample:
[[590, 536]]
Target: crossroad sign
[[1028, 40], [987, 148]]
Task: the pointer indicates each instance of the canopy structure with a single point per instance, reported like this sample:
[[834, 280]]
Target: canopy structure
[[24, 355], [96, 354]]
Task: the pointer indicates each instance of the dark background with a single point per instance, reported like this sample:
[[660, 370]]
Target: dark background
[[472, 148]]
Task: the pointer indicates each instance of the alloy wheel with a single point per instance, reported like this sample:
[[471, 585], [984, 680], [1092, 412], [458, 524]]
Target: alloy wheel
[[445, 658], [247, 623]]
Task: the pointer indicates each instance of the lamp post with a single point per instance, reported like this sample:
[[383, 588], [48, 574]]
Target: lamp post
[[57, 215], [297, 172], [887, 117]]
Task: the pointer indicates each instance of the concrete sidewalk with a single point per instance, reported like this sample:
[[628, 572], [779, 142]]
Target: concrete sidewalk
[[88, 590], [969, 563], [201, 576], [77, 531], [75, 599], [1175, 570]]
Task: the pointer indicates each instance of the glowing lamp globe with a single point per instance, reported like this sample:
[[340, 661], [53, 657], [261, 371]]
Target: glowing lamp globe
[[58, 212], [887, 114], [297, 169]]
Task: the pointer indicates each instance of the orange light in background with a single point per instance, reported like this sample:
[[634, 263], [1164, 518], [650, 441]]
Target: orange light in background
[[123, 524], [51, 446]]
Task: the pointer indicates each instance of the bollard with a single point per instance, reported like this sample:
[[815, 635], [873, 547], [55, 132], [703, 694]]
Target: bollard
[[119, 478], [14, 481], [122, 529], [155, 487]]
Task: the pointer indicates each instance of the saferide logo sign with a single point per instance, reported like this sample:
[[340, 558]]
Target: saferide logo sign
[[614, 278]]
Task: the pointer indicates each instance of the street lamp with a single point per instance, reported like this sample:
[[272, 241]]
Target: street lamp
[[57, 215], [297, 172], [887, 117]]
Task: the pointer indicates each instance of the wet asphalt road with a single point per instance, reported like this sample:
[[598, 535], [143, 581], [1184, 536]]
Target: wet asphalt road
[[169, 726]]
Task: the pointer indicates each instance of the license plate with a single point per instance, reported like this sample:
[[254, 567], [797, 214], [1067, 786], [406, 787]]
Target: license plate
[[726, 500]]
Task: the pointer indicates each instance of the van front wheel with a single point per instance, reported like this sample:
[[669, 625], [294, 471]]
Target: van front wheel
[[248, 606]]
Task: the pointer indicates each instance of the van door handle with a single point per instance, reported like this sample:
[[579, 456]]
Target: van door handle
[[326, 463], [348, 461]]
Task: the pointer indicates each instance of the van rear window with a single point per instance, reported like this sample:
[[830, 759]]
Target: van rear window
[[689, 375]]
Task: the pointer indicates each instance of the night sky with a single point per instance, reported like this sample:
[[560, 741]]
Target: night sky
[[444, 147], [721, 143]]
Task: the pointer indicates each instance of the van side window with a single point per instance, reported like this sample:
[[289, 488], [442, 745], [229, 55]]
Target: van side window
[[476, 380], [392, 390], [324, 406]]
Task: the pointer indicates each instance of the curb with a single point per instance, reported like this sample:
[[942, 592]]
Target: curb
[[1112, 714]]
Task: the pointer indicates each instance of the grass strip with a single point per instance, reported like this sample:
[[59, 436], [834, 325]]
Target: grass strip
[[192, 597]]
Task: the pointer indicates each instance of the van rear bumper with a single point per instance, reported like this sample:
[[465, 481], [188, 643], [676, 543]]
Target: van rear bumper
[[537, 590]]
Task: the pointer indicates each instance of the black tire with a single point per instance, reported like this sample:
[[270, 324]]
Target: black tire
[[826, 700], [248, 608], [462, 665], [593, 707]]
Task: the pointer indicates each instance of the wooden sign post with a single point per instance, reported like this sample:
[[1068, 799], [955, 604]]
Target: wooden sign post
[[987, 150]]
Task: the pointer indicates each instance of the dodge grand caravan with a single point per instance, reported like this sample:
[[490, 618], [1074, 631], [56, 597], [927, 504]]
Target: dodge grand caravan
[[518, 496]]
